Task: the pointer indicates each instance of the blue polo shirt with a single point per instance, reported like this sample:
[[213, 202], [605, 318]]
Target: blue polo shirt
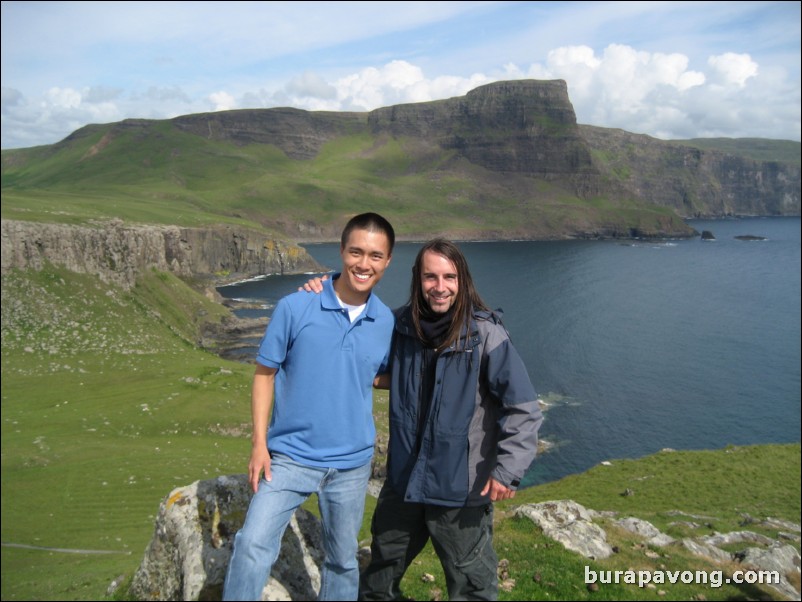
[[323, 400]]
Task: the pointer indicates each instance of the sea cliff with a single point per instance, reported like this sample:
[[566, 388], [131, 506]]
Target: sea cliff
[[117, 253]]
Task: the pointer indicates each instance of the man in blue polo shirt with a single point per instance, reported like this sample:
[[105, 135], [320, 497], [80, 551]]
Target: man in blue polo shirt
[[318, 361]]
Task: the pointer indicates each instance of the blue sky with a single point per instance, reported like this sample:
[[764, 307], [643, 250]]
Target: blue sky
[[672, 70]]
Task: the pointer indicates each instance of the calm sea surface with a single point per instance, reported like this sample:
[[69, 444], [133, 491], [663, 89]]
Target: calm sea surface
[[637, 346]]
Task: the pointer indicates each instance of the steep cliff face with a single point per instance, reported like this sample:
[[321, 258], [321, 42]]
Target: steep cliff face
[[691, 181], [526, 127], [117, 253]]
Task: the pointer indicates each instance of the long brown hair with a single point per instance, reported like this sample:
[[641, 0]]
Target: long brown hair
[[467, 298]]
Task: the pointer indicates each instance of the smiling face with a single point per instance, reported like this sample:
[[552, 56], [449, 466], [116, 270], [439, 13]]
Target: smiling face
[[439, 282], [365, 256]]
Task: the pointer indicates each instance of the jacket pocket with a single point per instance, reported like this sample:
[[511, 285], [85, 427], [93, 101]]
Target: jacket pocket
[[447, 469]]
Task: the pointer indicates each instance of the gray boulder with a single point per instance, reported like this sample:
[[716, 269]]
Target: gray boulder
[[193, 539], [570, 524], [646, 530]]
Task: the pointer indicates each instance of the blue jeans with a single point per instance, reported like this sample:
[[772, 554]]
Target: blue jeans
[[341, 499]]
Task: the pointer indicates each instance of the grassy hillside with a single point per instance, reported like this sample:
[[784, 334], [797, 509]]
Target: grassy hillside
[[151, 172], [107, 405]]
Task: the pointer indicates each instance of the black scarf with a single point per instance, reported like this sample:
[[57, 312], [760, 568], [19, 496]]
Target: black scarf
[[435, 327]]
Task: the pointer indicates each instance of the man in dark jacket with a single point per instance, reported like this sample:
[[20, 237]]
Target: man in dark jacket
[[464, 419]]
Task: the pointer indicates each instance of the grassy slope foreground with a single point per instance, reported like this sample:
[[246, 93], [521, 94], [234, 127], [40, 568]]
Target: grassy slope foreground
[[107, 404]]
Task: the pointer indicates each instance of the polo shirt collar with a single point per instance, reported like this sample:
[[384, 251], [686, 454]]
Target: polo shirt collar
[[329, 298]]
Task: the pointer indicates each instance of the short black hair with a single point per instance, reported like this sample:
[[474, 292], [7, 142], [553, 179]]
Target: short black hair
[[372, 222]]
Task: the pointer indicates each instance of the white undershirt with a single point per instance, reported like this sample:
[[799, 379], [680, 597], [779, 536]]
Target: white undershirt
[[353, 310]]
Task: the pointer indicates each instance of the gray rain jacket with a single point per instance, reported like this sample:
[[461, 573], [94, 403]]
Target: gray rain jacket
[[482, 420]]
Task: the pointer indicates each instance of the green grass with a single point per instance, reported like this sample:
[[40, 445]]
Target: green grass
[[760, 480], [107, 405]]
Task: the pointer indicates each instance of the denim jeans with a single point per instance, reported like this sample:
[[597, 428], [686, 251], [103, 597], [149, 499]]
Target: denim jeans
[[341, 498]]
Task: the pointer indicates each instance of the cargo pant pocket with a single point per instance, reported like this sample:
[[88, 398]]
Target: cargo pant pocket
[[480, 565]]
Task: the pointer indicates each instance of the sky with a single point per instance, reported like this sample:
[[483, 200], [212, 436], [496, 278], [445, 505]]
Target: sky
[[672, 70]]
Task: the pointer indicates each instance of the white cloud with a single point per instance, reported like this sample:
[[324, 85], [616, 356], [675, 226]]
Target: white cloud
[[222, 101], [62, 98], [731, 68], [59, 112], [573, 56], [396, 82]]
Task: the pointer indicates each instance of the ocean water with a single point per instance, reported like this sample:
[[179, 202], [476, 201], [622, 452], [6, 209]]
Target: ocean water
[[635, 346]]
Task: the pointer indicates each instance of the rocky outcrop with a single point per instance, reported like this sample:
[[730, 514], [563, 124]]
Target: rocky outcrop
[[232, 338], [525, 126], [193, 539], [570, 524], [117, 252]]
